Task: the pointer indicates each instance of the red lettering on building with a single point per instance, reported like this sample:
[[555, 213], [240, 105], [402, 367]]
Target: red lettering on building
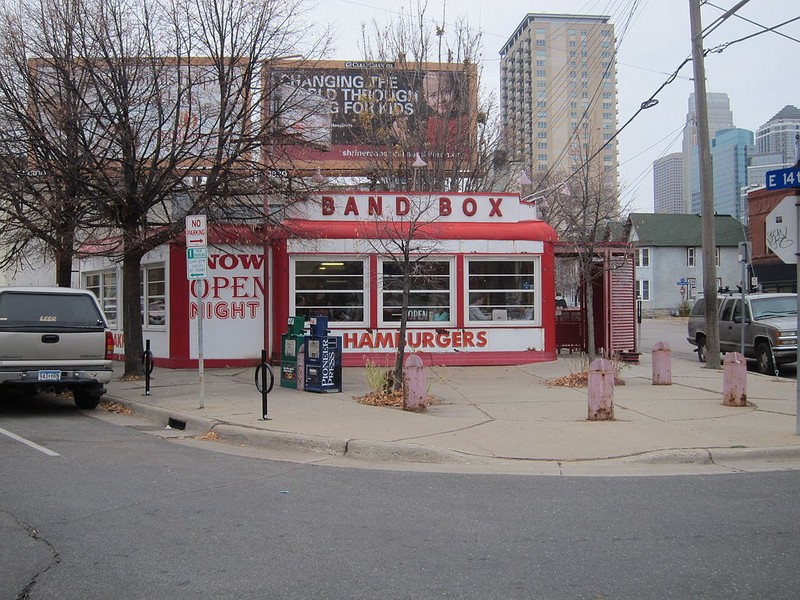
[[385, 339], [328, 207], [233, 261], [351, 208], [469, 207], [402, 206], [445, 207], [119, 340], [495, 210], [389, 340], [226, 310], [375, 206]]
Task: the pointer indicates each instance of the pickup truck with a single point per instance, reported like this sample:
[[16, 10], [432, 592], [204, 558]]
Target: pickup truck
[[54, 339], [770, 328]]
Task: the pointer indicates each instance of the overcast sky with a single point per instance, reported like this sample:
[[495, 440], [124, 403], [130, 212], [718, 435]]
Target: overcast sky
[[761, 74]]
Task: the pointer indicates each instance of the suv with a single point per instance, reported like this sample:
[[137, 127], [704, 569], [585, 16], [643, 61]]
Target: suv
[[54, 339], [770, 328]]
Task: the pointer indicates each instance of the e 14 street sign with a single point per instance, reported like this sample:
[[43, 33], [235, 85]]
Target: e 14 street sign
[[783, 178]]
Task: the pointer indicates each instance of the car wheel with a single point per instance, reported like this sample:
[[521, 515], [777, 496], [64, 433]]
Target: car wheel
[[701, 348], [764, 362], [86, 400]]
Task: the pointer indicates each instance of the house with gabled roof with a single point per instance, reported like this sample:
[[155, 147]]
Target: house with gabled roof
[[669, 257]]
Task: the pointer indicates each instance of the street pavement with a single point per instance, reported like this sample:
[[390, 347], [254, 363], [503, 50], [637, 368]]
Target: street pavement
[[498, 419]]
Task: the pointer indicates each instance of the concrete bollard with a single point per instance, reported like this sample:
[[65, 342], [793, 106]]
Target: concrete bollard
[[601, 390], [662, 364], [734, 380], [415, 386]]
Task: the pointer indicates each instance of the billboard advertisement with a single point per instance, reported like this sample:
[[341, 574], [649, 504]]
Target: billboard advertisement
[[351, 115]]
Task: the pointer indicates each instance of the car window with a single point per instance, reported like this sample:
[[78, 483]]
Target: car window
[[737, 310], [699, 308], [727, 311], [781, 306], [30, 309]]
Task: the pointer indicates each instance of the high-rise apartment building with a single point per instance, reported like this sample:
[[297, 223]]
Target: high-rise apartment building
[[778, 134], [559, 94], [668, 184]]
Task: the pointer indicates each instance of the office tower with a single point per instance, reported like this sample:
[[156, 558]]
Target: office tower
[[559, 94], [668, 184], [730, 150], [719, 117]]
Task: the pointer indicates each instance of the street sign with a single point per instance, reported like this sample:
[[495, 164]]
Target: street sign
[[196, 232], [783, 178], [781, 230], [196, 263]]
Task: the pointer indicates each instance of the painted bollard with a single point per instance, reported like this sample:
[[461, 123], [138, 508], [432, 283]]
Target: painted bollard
[[662, 364], [601, 390], [415, 386], [734, 380]]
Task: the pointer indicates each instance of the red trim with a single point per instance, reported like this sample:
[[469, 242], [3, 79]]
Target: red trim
[[453, 359], [525, 230], [278, 286], [178, 324]]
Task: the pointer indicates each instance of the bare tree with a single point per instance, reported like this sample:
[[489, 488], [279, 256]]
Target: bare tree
[[151, 111], [580, 207], [43, 162], [444, 142]]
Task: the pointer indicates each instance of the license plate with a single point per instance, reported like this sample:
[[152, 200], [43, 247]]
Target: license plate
[[49, 375]]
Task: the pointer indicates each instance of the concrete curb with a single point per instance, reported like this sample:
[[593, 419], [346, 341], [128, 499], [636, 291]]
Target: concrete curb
[[399, 452]]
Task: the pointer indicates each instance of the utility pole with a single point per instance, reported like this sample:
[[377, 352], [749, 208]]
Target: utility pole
[[706, 189]]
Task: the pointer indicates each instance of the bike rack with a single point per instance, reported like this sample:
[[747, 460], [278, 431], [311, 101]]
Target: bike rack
[[147, 364], [264, 379]]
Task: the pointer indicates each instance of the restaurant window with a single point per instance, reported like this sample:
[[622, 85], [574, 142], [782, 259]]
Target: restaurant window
[[104, 286], [501, 290], [153, 297], [329, 287], [429, 300]]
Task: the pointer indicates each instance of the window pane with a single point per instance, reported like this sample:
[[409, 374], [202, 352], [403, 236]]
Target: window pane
[[329, 288], [501, 290], [429, 298]]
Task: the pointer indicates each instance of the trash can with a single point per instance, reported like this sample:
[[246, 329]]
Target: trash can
[[290, 346]]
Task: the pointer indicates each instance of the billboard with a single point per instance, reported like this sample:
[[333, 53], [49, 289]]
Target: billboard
[[351, 115]]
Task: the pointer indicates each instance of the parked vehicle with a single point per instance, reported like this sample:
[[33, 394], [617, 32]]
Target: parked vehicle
[[54, 339], [770, 328]]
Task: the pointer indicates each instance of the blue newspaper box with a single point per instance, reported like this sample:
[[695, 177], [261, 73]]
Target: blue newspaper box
[[323, 358]]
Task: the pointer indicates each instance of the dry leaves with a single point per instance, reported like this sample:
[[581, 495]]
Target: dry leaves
[[209, 436], [579, 380], [114, 407], [393, 399]]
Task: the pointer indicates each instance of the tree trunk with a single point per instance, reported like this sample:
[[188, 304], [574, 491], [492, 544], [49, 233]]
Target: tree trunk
[[132, 314], [401, 342], [63, 269]]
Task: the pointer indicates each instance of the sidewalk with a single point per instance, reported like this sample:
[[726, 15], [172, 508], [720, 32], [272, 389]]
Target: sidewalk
[[493, 419]]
